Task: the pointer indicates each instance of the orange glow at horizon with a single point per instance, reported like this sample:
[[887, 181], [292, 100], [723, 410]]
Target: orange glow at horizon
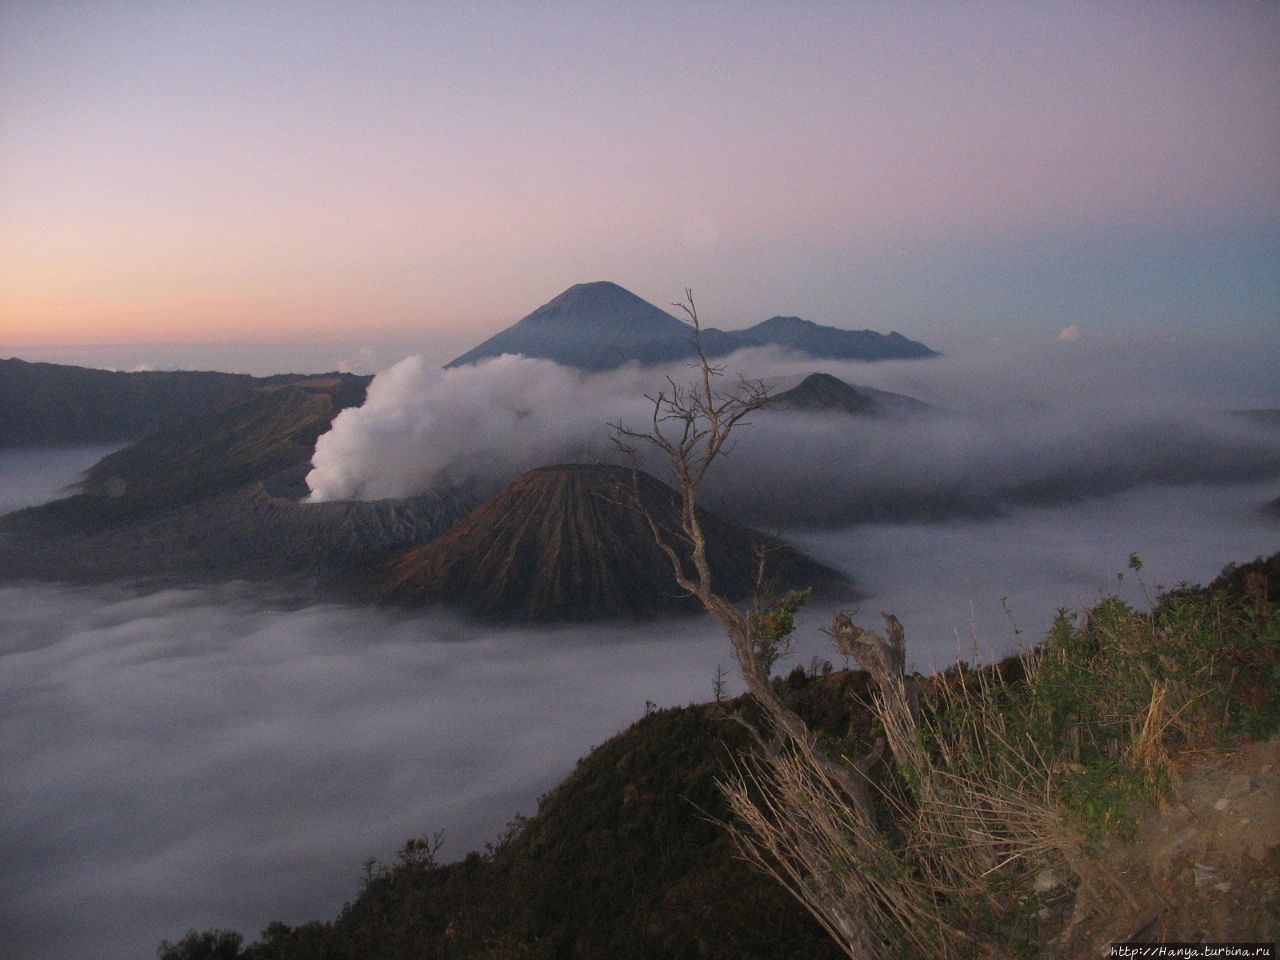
[[173, 173]]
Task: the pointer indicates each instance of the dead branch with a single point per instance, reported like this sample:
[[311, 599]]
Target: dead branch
[[691, 425]]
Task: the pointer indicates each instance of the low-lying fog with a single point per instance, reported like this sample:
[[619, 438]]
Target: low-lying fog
[[30, 476], [199, 758], [214, 757]]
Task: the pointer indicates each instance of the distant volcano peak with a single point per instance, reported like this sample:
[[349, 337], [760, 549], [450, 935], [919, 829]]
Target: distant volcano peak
[[602, 302], [592, 326], [596, 293], [821, 392], [600, 326], [785, 323]]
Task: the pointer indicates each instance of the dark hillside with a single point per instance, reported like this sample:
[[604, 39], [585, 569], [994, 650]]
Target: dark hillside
[[251, 439], [50, 403], [246, 533], [622, 860]]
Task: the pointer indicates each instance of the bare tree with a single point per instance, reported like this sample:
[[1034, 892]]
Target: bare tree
[[717, 685], [691, 426], [808, 818]]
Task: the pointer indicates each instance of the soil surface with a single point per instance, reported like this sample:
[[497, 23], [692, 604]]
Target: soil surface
[[1205, 868]]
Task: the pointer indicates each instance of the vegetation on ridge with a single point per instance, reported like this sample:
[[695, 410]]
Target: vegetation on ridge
[[1010, 777]]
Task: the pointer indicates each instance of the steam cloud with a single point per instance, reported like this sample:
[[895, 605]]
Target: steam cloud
[[495, 420], [1069, 422]]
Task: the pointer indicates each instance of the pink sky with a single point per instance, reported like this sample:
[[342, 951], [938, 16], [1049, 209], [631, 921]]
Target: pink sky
[[228, 172]]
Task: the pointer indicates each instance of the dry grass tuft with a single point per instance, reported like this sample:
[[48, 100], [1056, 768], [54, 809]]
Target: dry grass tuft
[[995, 786]]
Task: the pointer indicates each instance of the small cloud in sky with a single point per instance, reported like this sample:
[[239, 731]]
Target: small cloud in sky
[[365, 361], [1069, 334]]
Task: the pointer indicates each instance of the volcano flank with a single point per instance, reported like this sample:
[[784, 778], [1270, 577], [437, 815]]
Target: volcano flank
[[573, 542]]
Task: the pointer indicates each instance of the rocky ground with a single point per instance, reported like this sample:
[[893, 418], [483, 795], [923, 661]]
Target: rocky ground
[[1204, 868]]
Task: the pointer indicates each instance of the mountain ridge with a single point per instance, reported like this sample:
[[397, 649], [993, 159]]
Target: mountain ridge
[[55, 403], [601, 325], [215, 497]]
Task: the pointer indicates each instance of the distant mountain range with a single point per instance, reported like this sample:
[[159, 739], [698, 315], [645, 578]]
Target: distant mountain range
[[216, 488], [220, 494], [599, 326], [591, 326]]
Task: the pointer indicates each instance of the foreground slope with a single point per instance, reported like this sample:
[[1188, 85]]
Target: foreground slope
[[568, 543], [625, 860]]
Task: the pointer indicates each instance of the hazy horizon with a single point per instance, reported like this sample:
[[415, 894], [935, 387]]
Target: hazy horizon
[[241, 173]]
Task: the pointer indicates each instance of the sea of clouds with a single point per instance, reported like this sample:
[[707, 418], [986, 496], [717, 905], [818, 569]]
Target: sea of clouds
[[225, 757], [196, 758]]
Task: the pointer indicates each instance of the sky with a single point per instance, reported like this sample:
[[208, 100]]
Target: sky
[[248, 185]]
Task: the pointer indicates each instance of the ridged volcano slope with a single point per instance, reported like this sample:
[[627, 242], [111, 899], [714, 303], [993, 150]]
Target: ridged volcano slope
[[566, 543], [223, 449], [215, 498]]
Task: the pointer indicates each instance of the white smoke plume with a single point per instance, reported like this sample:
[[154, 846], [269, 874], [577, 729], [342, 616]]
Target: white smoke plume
[[1012, 427], [419, 426]]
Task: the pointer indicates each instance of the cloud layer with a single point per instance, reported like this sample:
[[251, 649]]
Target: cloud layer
[[196, 758], [1062, 421], [209, 758]]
